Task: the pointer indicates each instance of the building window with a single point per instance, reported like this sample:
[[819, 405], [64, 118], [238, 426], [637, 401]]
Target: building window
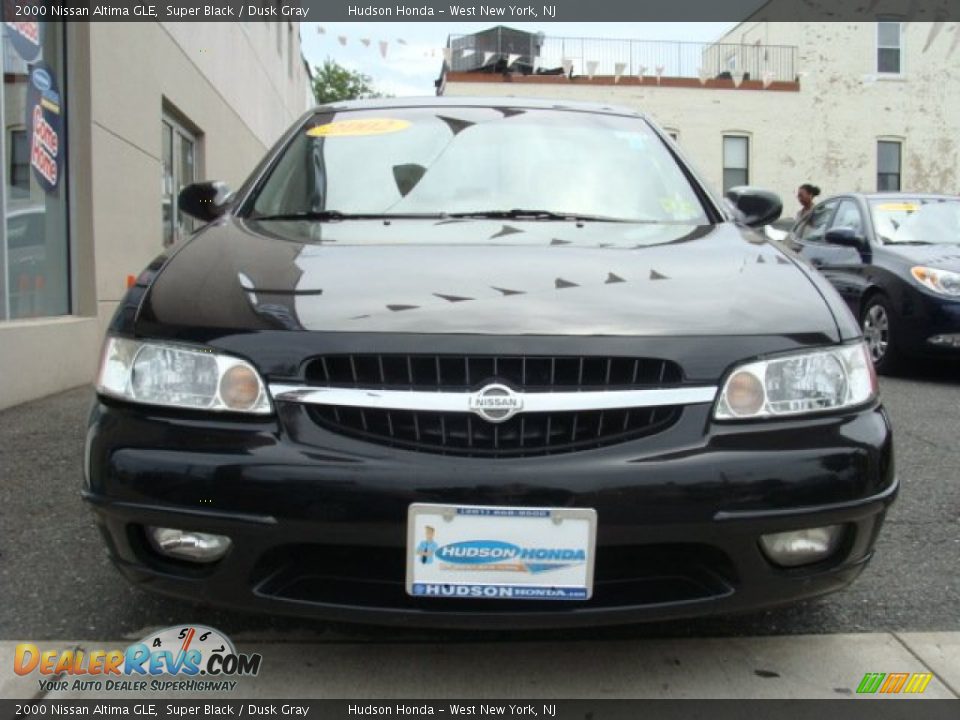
[[889, 47], [889, 156], [34, 240], [736, 161], [178, 160]]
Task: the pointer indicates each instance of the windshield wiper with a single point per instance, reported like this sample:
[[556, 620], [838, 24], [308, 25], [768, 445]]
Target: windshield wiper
[[336, 215], [523, 214]]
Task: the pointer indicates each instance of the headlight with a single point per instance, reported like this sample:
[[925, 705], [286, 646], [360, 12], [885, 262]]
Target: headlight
[[944, 282], [798, 384], [158, 373]]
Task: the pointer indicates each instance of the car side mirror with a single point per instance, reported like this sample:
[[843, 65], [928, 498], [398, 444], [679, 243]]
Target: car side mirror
[[845, 236], [205, 200], [755, 207]]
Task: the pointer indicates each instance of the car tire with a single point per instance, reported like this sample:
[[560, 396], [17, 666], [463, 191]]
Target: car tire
[[877, 324]]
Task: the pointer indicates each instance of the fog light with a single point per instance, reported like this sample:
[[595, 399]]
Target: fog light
[[951, 340], [188, 545], [801, 547]]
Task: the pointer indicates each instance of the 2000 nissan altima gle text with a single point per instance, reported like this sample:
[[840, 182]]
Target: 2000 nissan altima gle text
[[485, 363]]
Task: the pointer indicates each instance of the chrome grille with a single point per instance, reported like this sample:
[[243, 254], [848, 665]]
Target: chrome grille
[[465, 434]]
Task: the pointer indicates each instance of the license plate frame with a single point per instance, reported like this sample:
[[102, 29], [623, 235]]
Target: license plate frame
[[517, 558]]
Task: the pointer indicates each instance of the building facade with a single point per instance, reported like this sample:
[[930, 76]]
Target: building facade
[[103, 123], [858, 106]]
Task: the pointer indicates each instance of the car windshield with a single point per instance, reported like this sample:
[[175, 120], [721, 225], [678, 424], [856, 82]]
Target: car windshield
[[497, 162], [930, 221]]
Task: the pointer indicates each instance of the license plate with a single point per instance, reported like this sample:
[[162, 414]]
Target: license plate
[[500, 553]]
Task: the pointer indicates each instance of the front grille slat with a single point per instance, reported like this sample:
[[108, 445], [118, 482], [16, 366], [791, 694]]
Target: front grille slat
[[470, 372], [525, 434]]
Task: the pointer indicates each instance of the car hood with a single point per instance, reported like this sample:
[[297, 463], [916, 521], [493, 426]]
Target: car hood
[[945, 257], [486, 277]]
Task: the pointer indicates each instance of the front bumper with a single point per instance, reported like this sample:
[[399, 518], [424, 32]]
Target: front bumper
[[318, 521], [925, 316]]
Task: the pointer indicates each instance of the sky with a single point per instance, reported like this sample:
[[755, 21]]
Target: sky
[[410, 70]]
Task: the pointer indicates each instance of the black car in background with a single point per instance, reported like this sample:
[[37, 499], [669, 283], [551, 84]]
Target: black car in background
[[485, 363], [895, 260]]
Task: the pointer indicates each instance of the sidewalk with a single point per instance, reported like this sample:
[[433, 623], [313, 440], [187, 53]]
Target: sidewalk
[[806, 666]]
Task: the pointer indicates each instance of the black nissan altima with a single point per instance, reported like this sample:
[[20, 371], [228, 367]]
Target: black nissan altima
[[895, 260], [473, 363]]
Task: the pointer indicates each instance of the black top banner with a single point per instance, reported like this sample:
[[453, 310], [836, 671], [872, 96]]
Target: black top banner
[[490, 11], [516, 709]]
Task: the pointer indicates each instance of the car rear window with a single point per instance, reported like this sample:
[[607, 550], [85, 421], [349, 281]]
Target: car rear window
[[461, 160]]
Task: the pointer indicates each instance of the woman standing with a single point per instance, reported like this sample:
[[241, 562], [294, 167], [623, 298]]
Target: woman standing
[[805, 194]]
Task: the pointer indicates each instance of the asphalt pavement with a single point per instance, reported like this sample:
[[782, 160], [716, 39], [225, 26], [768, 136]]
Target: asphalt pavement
[[56, 582]]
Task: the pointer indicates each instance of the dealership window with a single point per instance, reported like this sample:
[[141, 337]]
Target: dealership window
[[889, 157], [178, 155], [34, 241], [736, 161], [889, 47]]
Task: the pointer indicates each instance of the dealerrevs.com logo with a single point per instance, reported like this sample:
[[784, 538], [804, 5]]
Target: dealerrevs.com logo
[[181, 658]]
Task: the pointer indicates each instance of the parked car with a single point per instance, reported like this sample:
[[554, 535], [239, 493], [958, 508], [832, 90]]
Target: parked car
[[895, 259], [464, 362]]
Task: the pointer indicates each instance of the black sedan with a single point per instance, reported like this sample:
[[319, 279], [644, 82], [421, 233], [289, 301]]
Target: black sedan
[[485, 363], [895, 259]]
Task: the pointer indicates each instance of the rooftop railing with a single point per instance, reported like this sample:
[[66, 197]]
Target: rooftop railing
[[503, 48]]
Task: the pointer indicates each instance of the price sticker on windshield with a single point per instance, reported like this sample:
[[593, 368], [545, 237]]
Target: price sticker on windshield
[[901, 206], [355, 128]]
